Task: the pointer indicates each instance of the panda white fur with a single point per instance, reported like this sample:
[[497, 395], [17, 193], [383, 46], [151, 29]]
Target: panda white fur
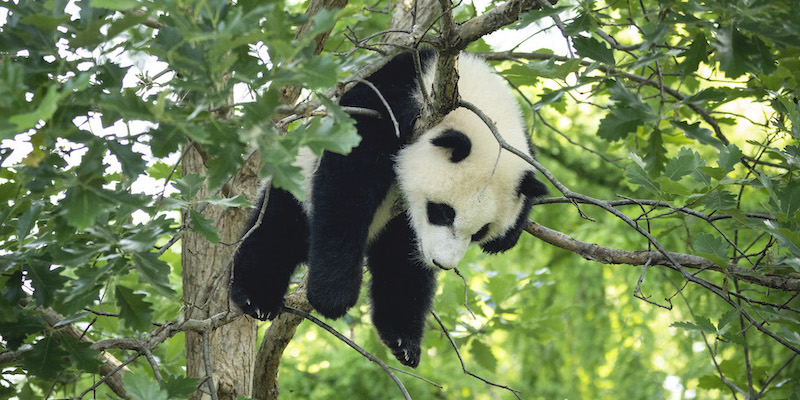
[[453, 186]]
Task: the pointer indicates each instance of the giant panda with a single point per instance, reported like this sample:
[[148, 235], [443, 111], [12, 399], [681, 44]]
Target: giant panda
[[410, 208]]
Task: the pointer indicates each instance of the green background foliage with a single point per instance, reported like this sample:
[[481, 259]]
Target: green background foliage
[[693, 104]]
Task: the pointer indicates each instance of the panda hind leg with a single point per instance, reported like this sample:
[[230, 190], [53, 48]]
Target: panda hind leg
[[263, 267], [402, 290]]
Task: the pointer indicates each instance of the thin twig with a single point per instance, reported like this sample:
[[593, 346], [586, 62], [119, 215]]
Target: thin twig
[[466, 296], [148, 355], [775, 375], [461, 359], [352, 344], [110, 374], [416, 376], [212, 390], [385, 104]]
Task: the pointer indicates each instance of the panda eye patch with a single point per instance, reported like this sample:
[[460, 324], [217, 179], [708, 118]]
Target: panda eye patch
[[480, 234], [441, 214]]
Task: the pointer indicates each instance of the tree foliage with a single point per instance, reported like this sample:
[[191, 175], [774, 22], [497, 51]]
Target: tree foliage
[[669, 131]]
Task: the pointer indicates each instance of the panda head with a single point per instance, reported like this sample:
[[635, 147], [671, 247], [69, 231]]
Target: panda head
[[461, 189]]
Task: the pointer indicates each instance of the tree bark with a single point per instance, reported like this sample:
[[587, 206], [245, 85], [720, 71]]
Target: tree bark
[[206, 270]]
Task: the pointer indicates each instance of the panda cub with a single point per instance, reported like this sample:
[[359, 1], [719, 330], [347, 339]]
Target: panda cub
[[451, 187]]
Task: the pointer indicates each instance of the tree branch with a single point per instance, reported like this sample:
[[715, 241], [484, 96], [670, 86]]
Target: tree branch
[[720, 292], [608, 255], [461, 360], [355, 347], [108, 369], [704, 114]]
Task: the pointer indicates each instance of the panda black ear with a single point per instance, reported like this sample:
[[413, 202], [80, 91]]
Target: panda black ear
[[457, 142], [530, 186]]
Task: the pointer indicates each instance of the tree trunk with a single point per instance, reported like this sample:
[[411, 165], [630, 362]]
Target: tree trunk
[[231, 348]]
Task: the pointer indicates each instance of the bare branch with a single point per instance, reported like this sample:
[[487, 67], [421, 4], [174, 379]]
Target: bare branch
[[672, 262], [355, 347], [466, 294], [461, 360], [608, 255], [108, 369], [492, 20], [704, 114], [212, 389]]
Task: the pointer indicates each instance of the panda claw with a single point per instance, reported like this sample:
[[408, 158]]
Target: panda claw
[[399, 342]]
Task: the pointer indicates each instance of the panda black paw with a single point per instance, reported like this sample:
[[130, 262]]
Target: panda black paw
[[332, 294], [407, 351], [331, 304], [255, 305]]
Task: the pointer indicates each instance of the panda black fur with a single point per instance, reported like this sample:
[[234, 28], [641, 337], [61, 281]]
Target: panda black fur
[[454, 189]]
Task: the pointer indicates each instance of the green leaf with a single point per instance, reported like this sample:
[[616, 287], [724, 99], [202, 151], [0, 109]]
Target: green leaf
[[189, 185], [180, 387], [739, 54], [594, 49], [325, 134], [695, 54], [713, 248], [711, 94], [729, 317], [680, 166], [483, 355], [154, 271], [501, 286], [46, 108], [15, 330], [701, 324], [27, 219], [47, 282], [160, 170], [719, 199], [81, 205], [695, 132], [548, 97], [714, 172], [81, 354], [313, 73], [132, 162], [788, 199], [729, 157], [204, 226], [323, 21], [133, 309], [141, 387], [788, 238], [227, 202], [529, 73], [711, 382], [617, 124], [118, 5], [707, 243], [672, 187], [656, 156], [638, 176], [143, 238], [626, 115], [687, 158], [791, 336], [46, 359]]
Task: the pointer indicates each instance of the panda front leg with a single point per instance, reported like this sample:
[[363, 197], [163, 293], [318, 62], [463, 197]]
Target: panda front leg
[[266, 259], [402, 290], [347, 191]]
